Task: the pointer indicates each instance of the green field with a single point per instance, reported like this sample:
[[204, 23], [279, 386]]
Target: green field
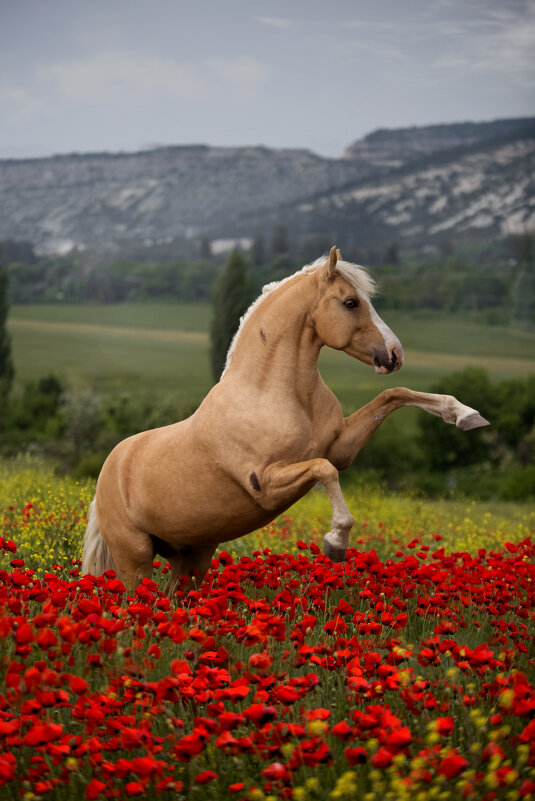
[[160, 347]]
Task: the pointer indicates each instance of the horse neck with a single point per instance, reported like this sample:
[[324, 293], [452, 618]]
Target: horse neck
[[277, 350]]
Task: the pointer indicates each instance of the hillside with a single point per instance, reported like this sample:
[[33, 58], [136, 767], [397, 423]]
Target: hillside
[[394, 148], [412, 186], [471, 195], [157, 195]]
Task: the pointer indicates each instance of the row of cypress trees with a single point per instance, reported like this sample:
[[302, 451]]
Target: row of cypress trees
[[234, 291]]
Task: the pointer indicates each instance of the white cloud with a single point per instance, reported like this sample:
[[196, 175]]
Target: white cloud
[[241, 75], [509, 48], [126, 78], [277, 22], [122, 77], [19, 106], [502, 45], [483, 39]]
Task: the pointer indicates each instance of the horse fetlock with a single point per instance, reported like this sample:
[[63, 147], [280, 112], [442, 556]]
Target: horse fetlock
[[342, 523], [451, 409]]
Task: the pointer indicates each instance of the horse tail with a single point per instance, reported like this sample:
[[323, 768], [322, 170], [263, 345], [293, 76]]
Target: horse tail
[[96, 555]]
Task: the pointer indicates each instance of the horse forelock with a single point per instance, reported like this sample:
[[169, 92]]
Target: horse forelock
[[355, 275]]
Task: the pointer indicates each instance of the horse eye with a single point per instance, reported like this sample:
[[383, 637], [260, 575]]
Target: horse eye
[[351, 303]]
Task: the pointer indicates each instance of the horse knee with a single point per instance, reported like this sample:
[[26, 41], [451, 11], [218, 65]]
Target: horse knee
[[327, 474]]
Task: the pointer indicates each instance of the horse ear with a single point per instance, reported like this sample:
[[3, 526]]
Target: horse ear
[[330, 264], [339, 254]]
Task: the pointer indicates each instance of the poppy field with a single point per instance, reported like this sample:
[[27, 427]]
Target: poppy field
[[406, 672]]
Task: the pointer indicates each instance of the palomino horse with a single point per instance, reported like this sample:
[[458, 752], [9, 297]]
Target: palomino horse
[[261, 439]]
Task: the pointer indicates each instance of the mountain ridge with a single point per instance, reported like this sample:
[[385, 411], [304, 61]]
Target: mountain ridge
[[107, 200]]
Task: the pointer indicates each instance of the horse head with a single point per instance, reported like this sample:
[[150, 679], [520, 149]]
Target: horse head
[[344, 318]]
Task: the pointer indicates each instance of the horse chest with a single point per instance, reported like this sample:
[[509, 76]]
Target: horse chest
[[322, 436], [299, 432], [307, 437]]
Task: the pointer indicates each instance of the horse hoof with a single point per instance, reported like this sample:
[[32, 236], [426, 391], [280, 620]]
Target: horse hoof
[[472, 421], [333, 553]]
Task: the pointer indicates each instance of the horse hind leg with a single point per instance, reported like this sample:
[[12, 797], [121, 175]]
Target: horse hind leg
[[128, 552], [191, 563], [133, 553]]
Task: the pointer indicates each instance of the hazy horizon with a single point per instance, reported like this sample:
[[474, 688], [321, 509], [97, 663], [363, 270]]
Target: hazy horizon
[[160, 146]]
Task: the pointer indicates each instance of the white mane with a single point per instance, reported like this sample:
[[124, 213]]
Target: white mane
[[353, 274]]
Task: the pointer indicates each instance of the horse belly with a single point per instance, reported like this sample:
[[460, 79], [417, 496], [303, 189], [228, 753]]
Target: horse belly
[[222, 512]]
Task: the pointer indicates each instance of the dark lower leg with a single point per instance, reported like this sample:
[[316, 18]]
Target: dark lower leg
[[188, 567]]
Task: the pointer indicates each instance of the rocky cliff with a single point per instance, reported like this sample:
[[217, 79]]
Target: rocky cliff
[[473, 180]]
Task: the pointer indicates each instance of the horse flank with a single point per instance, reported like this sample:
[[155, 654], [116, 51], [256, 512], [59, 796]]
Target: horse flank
[[353, 274]]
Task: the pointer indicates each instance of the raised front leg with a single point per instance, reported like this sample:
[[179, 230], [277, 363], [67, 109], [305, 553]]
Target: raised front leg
[[360, 426], [281, 485]]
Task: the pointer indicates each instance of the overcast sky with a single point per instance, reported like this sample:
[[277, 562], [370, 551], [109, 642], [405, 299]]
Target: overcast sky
[[93, 75]]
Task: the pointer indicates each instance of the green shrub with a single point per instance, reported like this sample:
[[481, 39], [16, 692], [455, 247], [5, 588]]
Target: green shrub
[[519, 485]]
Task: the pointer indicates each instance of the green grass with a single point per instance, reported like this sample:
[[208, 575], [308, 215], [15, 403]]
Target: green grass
[[164, 348], [439, 332], [181, 316]]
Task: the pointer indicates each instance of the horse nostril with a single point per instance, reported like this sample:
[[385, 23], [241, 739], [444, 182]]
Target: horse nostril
[[393, 358]]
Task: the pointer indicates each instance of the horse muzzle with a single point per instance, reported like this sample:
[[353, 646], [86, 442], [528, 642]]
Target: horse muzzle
[[388, 359]]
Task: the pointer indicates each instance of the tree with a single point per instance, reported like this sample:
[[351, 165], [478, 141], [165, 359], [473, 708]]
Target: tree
[[7, 370], [279, 240], [233, 293], [445, 446], [35, 415], [523, 293], [258, 250], [196, 279], [313, 246], [205, 248], [392, 254], [12, 251], [80, 412]]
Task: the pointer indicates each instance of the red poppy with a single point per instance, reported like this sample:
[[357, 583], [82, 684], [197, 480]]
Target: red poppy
[[382, 759], [356, 756], [205, 777], [452, 765]]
